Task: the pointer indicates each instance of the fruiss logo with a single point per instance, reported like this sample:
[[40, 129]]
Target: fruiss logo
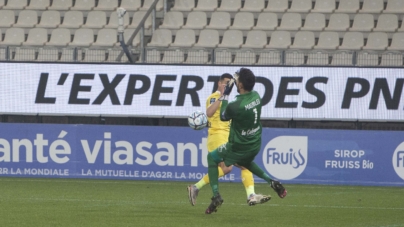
[[285, 157], [398, 160]]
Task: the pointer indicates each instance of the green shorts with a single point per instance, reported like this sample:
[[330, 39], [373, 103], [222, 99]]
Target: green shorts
[[230, 157]]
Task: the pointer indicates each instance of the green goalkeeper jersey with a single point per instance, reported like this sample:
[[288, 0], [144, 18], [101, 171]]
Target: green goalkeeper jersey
[[245, 127]]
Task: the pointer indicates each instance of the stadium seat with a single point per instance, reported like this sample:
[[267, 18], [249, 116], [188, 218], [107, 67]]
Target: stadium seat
[[48, 54], [83, 37], [94, 55], [208, 38], [184, 38], [153, 56], [183, 5], [294, 58], [27, 19], [147, 4], [392, 59], [113, 20], [317, 58], [327, 41], [266, 21], [13, 37], [352, 41], [196, 56], [245, 57], [196, 20], [61, 5], [363, 23], [69, 54], [173, 20], [49, 19], [255, 6], [324, 6], [303, 40], [106, 37], [277, 6], [279, 40], [72, 19], [229, 6], [232, 39], [342, 58], [366, 58], [59, 37], [2, 3], [348, 6], [401, 29], [376, 41], [38, 5], [138, 17], [338, 22], [255, 39], [16, 4], [219, 20], [243, 21], [127, 34], [7, 18], [269, 58], [223, 57], [290, 21], [22, 54], [36, 37], [161, 38], [300, 6], [86, 5], [394, 6], [386, 23], [173, 56], [372, 6], [397, 41], [112, 55], [95, 19], [314, 22], [106, 5], [206, 5], [131, 5]]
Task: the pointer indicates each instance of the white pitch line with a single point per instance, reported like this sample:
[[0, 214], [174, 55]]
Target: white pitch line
[[186, 202]]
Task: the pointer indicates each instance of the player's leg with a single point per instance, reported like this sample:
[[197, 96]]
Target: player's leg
[[276, 185], [193, 189], [248, 182], [213, 161]]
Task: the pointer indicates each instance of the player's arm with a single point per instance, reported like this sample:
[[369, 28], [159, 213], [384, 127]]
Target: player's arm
[[213, 108], [226, 113]]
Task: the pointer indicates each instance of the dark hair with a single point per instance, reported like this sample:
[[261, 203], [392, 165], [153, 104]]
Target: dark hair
[[225, 75], [247, 78]]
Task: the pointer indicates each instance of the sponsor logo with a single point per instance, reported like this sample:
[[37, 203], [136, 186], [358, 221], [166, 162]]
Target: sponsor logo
[[398, 160], [285, 157]]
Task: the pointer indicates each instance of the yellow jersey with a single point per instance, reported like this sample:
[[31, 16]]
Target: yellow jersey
[[218, 132]]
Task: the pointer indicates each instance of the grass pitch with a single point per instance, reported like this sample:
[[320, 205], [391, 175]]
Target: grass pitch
[[72, 202]]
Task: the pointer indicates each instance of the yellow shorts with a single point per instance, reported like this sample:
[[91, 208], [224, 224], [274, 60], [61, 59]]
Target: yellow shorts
[[217, 139]]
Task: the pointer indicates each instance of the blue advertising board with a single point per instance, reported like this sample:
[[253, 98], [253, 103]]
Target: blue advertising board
[[179, 154]]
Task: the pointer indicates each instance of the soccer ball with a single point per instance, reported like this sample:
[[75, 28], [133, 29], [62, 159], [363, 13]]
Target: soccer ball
[[197, 120]]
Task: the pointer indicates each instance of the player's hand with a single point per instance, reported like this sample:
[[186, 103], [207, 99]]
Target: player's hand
[[229, 87]]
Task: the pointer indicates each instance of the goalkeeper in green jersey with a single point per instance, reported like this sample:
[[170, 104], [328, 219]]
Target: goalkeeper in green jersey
[[244, 141]]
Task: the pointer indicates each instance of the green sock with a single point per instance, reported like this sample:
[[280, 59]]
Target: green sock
[[257, 171], [213, 173]]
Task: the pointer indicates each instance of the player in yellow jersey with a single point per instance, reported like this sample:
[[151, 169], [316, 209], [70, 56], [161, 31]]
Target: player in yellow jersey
[[218, 134]]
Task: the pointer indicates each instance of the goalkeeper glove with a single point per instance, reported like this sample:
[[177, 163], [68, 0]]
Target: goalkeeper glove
[[229, 86]]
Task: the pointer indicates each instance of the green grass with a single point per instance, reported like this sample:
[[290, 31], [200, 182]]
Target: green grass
[[72, 202]]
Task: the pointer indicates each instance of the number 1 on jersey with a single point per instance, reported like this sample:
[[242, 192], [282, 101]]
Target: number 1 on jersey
[[256, 113]]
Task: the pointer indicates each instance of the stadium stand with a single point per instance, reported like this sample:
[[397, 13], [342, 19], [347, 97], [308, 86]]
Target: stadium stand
[[260, 28]]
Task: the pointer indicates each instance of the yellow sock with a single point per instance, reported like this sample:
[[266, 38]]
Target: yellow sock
[[205, 179], [248, 181]]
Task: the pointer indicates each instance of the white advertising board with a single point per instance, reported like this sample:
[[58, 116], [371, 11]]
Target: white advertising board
[[313, 93]]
